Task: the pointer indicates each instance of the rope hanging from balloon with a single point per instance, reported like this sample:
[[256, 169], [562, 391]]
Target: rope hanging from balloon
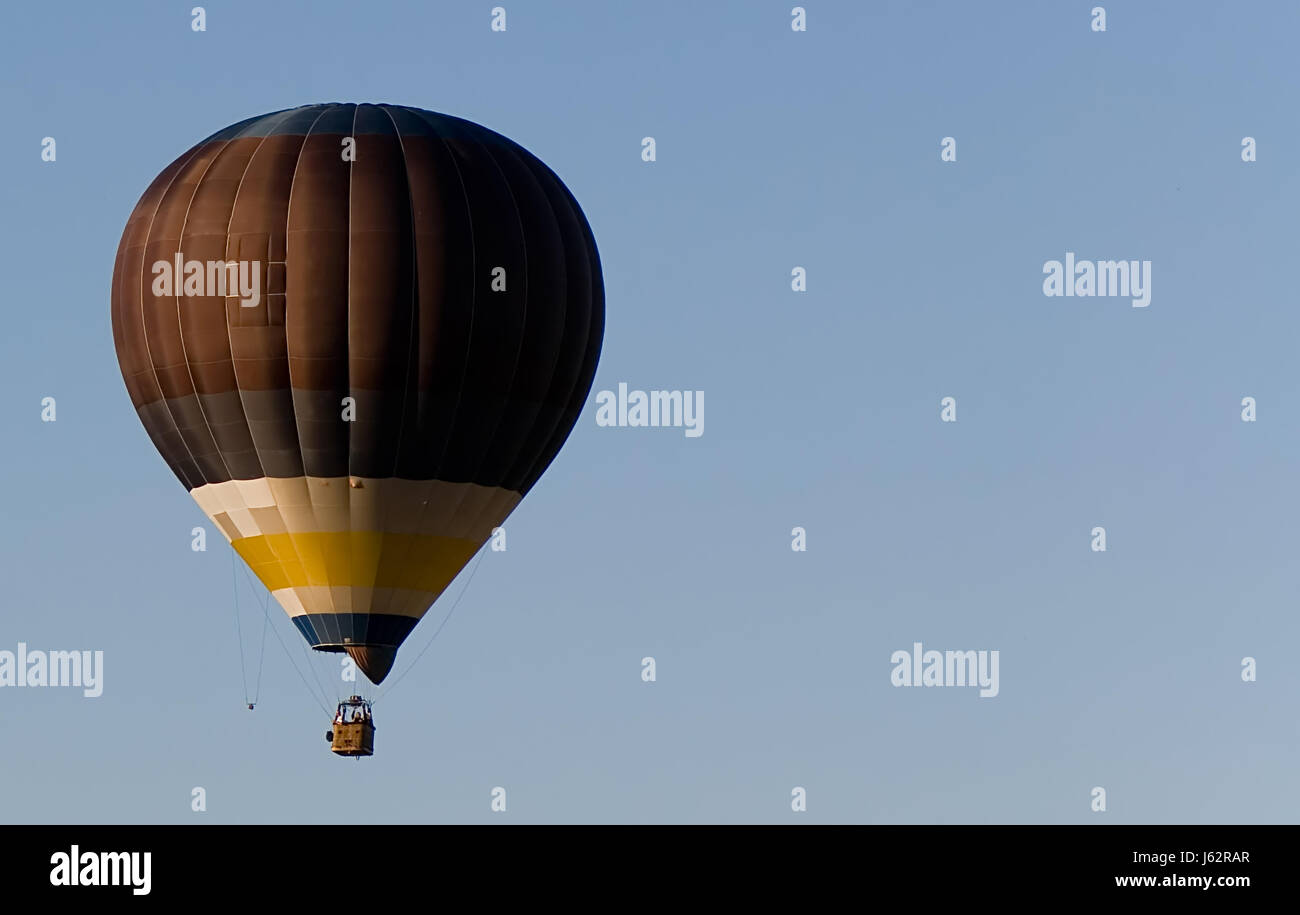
[[388, 689], [267, 624], [249, 700]]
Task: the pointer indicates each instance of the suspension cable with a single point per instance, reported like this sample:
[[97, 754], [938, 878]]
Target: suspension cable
[[388, 689], [239, 632], [261, 655], [276, 632]]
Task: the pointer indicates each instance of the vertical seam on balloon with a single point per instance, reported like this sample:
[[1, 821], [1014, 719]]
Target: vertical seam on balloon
[[351, 584], [523, 331], [412, 364], [551, 181], [180, 324], [557, 186], [523, 163], [230, 343], [467, 133], [473, 259], [120, 308], [190, 485], [595, 325], [288, 210], [469, 335], [415, 295]]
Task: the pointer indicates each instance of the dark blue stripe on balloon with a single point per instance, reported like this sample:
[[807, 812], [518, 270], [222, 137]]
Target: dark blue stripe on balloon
[[338, 630]]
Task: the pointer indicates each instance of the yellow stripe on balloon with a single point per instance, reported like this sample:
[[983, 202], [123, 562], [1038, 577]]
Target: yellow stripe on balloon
[[355, 559]]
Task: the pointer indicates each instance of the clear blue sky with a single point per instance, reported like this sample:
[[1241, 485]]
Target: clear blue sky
[[775, 149]]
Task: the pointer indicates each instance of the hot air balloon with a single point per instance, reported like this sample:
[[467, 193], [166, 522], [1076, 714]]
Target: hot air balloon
[[357, 334]]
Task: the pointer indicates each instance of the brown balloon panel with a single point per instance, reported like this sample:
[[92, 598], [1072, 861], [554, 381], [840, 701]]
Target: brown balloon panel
[[358, 334]]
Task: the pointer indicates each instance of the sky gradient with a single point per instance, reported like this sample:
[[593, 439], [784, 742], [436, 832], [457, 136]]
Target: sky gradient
[[775, 149]]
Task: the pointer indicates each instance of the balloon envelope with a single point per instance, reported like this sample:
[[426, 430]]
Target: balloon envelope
[[357, 334]]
